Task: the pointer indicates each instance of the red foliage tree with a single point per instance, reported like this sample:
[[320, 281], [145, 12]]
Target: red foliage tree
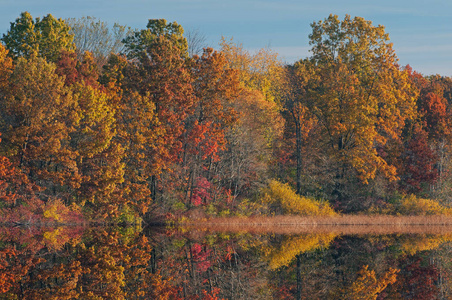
[[433, 109], [418, 162]]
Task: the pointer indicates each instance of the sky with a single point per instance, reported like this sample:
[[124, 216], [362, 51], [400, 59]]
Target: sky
[[421, 30]]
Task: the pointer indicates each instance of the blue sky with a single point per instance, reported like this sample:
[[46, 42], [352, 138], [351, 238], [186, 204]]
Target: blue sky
[[421, 30]]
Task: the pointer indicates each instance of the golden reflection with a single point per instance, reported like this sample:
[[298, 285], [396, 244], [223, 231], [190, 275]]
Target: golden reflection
[[285, 252]]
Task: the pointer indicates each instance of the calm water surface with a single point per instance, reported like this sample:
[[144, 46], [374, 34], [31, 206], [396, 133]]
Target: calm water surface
[[158, 263]]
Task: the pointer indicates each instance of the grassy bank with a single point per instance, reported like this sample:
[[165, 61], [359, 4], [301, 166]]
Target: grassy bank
[[343, 224]]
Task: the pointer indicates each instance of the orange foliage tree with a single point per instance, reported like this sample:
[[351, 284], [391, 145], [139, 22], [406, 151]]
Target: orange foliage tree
[[159, 74], [358, 95], [35, 125], [215, 87]]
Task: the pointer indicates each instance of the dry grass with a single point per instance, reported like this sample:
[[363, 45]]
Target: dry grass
[[346, 224]]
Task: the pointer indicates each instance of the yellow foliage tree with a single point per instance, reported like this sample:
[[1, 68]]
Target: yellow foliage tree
[[34, 123], [6, 67], [261, 71]]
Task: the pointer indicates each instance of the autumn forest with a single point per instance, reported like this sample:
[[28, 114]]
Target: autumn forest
[[113, 124]]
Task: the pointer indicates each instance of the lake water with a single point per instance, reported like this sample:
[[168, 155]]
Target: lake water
[[159, 263]]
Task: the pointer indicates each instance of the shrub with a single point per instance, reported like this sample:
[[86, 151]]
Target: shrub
[[282, 197], [412, 205], [248, 208], [128, 216], [56, 210], [178, 207]]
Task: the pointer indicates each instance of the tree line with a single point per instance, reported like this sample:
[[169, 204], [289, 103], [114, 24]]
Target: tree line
[[119, 123]]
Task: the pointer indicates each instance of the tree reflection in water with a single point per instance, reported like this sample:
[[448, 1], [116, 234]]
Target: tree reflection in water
[[125, 263]]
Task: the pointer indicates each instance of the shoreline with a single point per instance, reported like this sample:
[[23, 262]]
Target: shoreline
[[345, 224]]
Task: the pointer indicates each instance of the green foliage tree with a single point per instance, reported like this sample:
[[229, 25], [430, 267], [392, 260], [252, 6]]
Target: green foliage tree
[[140, 40], [46, 37]]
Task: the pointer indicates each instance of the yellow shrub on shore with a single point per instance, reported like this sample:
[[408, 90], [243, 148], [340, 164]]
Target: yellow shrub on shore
[[412, 205], [282, 197]]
